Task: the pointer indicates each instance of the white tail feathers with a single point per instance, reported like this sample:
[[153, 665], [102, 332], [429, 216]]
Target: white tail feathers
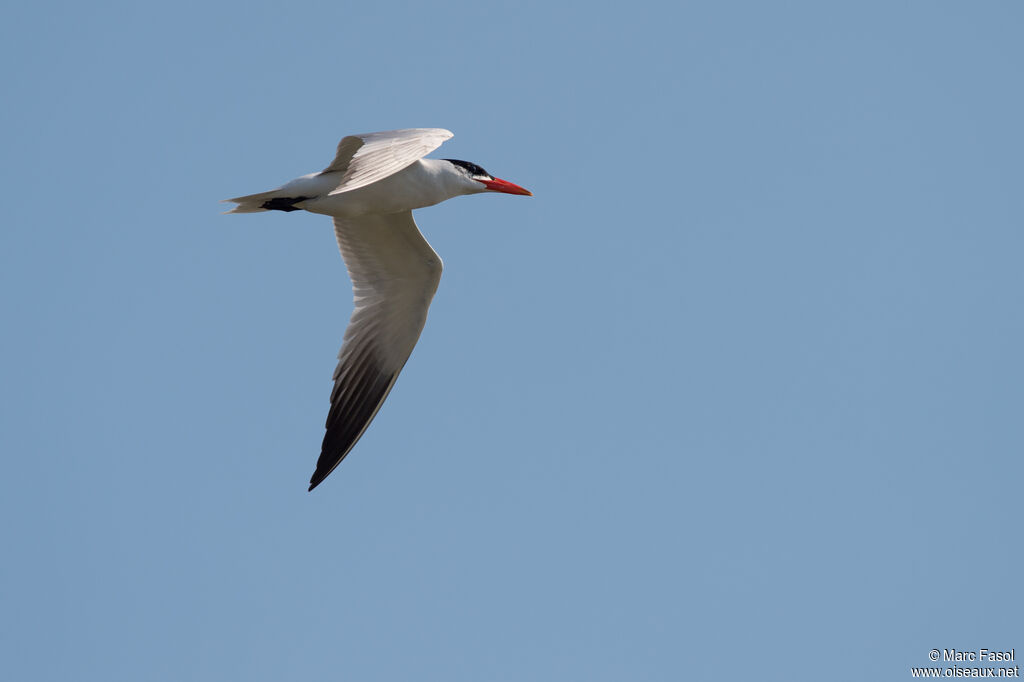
[[286, 197], [252, 203]]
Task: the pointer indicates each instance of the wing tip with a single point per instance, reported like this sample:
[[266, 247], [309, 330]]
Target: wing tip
[[318, 477]]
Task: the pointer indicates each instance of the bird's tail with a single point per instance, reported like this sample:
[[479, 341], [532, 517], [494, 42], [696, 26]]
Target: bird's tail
[[288, 196], [252, 203]]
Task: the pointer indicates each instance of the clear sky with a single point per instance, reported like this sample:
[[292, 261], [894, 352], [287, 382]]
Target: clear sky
[[739, 394]]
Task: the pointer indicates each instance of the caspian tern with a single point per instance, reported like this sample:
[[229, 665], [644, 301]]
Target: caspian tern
[[370, 189]]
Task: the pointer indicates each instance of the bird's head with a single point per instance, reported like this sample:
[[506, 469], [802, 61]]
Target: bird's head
[[482, 181]]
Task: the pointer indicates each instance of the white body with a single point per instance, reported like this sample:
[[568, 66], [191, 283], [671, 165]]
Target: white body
[[423, 183]]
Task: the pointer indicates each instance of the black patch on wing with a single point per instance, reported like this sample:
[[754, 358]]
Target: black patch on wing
[[471, 167], [282, 203], [360, 387]]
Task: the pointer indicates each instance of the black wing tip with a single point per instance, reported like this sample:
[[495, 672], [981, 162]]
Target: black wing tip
[[322, 472], [315, 481]]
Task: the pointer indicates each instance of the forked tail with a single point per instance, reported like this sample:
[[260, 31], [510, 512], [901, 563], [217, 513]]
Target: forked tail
[[265, 201]]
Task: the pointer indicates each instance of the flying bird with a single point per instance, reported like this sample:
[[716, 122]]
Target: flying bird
[[370, 189]]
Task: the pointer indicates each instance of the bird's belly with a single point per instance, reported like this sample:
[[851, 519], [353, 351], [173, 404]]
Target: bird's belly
[[402, 191], [351, 204]]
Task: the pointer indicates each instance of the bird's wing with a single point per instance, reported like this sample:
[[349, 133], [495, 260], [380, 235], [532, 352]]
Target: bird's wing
[[367, 158], [394, 276]]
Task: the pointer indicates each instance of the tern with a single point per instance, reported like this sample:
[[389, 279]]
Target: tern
[[370, 189]]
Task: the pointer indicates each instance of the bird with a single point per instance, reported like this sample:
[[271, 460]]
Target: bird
[[370, 189]]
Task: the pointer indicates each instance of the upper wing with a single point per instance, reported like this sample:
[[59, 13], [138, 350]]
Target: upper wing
[[367, 158], [394, 276]]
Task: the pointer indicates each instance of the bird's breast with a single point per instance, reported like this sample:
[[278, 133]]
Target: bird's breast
[[413, 187]]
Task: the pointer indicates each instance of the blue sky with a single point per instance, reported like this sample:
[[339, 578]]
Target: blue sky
[[737, 395]]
